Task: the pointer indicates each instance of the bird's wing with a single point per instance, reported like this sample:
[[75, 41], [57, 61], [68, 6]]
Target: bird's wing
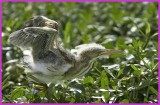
[[35, 38]]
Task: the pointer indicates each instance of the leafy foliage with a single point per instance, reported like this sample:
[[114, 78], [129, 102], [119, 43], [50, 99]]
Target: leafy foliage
[[121, 78]]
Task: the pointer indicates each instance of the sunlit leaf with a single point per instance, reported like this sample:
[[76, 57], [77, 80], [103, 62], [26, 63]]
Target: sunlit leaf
[[148, 28], [18, 92], [88, 79], [153, 90], [104, 80], [120, 72]]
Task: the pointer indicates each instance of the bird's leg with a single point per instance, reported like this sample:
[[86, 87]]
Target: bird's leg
[[39, 84], [48, 89]]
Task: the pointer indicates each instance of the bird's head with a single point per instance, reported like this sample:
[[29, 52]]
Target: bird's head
[[91, 51], [41, 21]]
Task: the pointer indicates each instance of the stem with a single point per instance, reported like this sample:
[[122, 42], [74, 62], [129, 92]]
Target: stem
[[147, 92], [146, 44], [149, 84], [137, 27]]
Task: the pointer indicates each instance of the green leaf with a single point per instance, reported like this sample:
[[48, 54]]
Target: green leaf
[[88, 80], [106, 96], [120, 72], [104, 80], [125, 101], [5, 86], [135, 43], [18, 92], [145, 83], [153, 90], [148, 28], [136, 70], [120, 41], [85, 38], [5, 82], [140, 44], [155, 34], [66, 34], [126, 47], [72, 100], [156, 45], [134, 67]]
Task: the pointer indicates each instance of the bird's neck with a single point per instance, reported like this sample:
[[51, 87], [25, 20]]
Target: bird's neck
[[67, 56], [80, 68], [84, 58]]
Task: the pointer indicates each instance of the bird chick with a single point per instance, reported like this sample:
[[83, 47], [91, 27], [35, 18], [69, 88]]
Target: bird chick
[[48, 60]]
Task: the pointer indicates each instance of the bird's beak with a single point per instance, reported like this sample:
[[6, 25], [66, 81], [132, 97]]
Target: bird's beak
[[109, 52]]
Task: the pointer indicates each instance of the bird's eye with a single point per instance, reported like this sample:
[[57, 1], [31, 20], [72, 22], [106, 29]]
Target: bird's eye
[[49, 23], [52, 25]]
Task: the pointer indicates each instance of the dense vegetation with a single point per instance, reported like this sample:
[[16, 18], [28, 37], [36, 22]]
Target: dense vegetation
[[120, 78]]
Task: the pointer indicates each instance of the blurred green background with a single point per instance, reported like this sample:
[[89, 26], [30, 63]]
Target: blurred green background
[[122, 78]]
